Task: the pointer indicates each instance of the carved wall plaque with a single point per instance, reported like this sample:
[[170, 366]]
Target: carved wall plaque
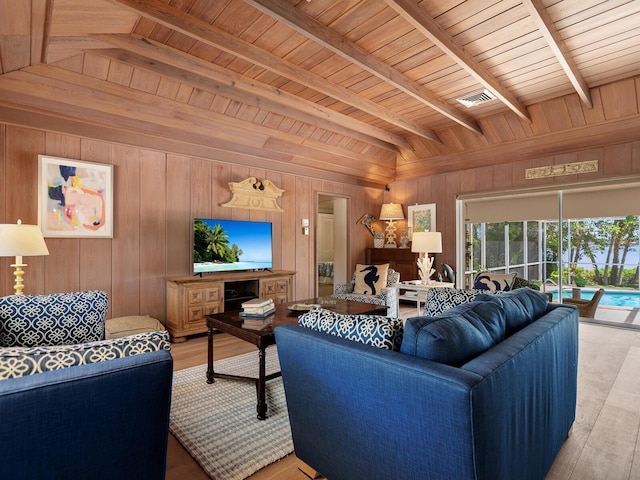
[[254, 194], [562, 169]]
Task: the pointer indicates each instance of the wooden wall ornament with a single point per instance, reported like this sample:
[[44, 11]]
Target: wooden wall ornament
[[562, 169], [254, 194]]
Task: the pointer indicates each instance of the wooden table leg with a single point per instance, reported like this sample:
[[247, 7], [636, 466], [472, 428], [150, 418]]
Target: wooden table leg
[[210, 373], [261, 385]]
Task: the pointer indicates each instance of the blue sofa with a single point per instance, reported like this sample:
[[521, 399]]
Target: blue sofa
[[76, 406], [485, 390]]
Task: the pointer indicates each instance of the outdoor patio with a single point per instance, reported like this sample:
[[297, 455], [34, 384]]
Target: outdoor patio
[[618, 315]]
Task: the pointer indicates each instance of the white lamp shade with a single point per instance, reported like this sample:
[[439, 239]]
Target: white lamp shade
[[18, 240], [426, 242], [391, 211]]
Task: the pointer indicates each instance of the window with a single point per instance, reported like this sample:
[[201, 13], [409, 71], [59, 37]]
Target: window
[[519, 232]]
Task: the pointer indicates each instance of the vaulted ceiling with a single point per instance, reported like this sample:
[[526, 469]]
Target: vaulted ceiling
[[360, 90]]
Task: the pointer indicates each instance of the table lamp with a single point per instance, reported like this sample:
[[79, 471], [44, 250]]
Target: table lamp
[[391, 212], [425, 243], [18, 240]]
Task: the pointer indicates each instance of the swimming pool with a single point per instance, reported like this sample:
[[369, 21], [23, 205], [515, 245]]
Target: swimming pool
[[611, 298]]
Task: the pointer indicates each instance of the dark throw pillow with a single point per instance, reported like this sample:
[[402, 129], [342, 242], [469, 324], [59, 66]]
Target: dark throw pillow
[[495, 282], [457, 335], [521, 306]]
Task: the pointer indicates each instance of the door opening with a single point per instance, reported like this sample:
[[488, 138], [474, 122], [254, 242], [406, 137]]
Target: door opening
[[331, 243]]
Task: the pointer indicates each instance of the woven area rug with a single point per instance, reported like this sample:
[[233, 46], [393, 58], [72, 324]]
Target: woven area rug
[[217, 423]]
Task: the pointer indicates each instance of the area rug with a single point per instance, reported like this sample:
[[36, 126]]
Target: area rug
[[216, 423]]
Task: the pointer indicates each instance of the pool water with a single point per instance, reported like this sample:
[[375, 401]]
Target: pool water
[[611, 298]]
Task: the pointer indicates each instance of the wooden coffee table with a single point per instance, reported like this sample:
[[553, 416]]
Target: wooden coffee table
[[232, 323]]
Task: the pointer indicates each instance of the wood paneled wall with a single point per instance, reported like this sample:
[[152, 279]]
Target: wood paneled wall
[[615, 161], [157, 194]]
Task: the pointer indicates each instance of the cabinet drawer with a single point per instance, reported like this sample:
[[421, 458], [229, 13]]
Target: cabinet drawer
[[212, 295], [195, 296], [210, 308], [282, 286], [269, 288], [275, 287], [280, 299], [195, 313]]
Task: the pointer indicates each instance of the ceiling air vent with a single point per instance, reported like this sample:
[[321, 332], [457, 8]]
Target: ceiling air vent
[[476, 98]]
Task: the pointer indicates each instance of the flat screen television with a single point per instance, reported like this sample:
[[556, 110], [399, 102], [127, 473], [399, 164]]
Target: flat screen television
[[231, 245]]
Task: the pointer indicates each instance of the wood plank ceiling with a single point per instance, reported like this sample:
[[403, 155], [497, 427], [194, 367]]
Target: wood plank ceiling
[[362, 91]]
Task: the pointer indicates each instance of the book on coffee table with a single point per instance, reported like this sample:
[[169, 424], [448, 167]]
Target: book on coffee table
[[258, 307], [257, 302], [258, 314]]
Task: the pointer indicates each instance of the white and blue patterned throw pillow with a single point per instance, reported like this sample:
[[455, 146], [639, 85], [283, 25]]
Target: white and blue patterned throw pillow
[[53, 319], [441, 299], [374, 330], [21, 361]]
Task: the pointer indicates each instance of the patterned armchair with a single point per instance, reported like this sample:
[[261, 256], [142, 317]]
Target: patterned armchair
[[92, 408], [387, 296]]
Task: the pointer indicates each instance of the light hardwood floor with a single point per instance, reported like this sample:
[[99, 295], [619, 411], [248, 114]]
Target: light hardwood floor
[[604, 442]]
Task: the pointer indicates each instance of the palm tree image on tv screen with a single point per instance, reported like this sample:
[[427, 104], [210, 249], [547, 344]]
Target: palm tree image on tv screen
[[212, 245], [227, 245]]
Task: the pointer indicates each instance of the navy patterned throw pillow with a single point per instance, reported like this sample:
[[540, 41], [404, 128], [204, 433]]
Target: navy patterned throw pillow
[[441, 299], [374, 330], [54, 319]]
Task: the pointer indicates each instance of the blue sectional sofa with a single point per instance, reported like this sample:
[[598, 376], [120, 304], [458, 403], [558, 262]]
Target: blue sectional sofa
[[74, 405], [485, 390]]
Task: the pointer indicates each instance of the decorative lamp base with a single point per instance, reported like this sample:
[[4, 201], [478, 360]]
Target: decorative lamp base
[[425, 268], [391, 235], [18, 273]]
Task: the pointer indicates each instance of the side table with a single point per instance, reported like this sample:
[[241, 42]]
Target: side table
[[416, 291]]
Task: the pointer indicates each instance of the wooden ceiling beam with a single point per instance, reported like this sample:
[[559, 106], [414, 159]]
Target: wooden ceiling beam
[[418, 18], [41, 12], [175, 19], [325, 36], [76, 96], [169, 62], [547, 28], [46, 120]]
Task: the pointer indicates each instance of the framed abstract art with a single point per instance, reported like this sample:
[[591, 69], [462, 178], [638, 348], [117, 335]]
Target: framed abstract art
[[422, 218], [75, 199]]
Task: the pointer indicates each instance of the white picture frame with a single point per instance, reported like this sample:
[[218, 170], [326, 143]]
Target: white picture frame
[[75, 198], [421, 218]]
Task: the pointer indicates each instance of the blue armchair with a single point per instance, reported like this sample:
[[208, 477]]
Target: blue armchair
[[75, 405]]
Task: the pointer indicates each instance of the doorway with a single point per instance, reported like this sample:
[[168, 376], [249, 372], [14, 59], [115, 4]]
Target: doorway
[[332, 249]]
